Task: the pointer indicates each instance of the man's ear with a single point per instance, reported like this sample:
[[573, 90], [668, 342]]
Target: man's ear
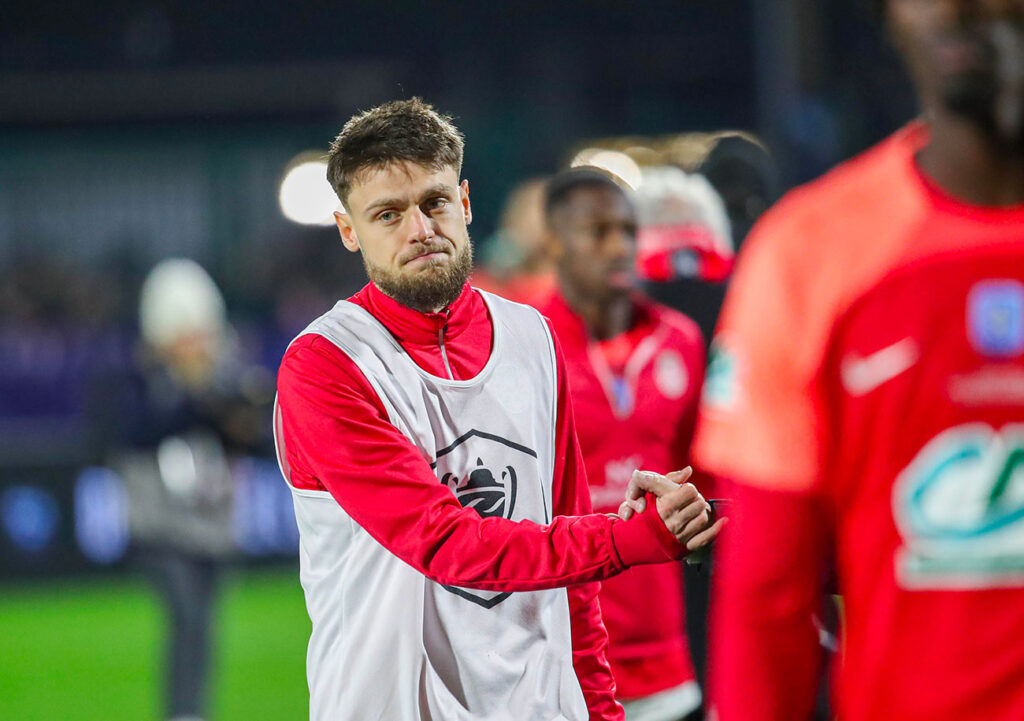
[[553, 246], [467, 209], [346, 231]]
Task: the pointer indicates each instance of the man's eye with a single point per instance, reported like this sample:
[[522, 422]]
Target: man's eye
[[438, 203], [387, 216]]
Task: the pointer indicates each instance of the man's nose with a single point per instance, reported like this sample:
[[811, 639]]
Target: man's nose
[[421, 225]]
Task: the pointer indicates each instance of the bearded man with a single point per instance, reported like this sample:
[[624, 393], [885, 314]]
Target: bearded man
[[448, 553]]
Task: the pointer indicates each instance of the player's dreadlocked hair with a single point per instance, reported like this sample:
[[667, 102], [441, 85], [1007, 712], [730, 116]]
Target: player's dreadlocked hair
[[401, 130]]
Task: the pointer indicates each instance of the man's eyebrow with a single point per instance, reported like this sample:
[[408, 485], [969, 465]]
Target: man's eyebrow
[[439, 189], [384, 203]]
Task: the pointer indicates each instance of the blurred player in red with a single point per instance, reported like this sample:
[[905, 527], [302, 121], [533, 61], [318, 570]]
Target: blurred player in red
[[635, 369], [866, 396]]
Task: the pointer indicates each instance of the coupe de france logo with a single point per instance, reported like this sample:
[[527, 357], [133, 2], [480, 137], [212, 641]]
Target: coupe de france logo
[[483, 491], [484, 472], [959, 507]]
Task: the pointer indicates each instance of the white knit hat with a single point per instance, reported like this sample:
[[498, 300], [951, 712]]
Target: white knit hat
[[684, 228], [670, 196], [179, 298]]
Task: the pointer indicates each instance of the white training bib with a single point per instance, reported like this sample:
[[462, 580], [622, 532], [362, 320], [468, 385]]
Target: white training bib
[[387, 642]]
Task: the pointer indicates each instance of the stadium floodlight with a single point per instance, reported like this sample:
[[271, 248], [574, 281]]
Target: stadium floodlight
[[305, 195], [618, 164]]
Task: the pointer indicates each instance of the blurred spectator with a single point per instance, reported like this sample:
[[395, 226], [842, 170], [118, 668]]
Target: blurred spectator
[[58, 323], [735, 162], [685, 231], [635, 370], [743, 172], [864, 396], [685, 243], [695, 228], [172, 423], [515, 262]]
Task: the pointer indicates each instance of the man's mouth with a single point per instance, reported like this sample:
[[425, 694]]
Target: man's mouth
[[427, 255]]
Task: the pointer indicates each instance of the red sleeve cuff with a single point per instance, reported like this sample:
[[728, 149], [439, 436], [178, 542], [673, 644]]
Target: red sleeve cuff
[[645, 539]]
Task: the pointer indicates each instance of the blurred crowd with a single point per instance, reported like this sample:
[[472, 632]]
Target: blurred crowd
[[63, 319]]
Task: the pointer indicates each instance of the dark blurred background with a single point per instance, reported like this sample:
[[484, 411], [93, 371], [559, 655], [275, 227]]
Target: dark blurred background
[[132, 131]]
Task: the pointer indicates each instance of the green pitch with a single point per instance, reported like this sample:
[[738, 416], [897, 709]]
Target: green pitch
[[92, 650]]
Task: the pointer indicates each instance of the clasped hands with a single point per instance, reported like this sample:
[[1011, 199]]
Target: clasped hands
[[681, 506]]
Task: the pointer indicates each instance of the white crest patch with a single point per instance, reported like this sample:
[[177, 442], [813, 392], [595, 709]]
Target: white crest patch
[[670, 376]]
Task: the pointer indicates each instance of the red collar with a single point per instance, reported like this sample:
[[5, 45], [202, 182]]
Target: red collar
[[566, 319], [413, 327], [909, 141]]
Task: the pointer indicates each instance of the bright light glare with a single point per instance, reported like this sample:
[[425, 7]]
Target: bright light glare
[[618, 164], [305, 195]]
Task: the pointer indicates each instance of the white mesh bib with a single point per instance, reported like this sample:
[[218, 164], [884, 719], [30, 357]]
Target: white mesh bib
[[390, 644]]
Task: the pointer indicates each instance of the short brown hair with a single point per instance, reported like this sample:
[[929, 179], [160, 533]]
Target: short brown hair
[[401, 130]]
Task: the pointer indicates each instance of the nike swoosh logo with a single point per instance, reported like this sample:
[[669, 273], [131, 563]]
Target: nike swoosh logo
[[862, 375]]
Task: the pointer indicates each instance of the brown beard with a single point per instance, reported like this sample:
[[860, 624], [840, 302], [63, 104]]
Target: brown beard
[[432, 288]]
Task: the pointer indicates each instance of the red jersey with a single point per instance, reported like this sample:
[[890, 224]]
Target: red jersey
[[333, 434], [635, 400], [866, 394]]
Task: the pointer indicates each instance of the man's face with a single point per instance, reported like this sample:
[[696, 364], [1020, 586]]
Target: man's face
[[410, 222], [966, 56], [595, 238]]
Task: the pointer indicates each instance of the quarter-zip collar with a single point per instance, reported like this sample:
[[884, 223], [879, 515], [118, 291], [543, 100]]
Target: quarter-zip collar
[[566, 319], [454, 343], [412, 326]]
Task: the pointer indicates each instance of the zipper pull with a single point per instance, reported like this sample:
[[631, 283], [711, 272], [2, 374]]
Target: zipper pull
[[444, 353]]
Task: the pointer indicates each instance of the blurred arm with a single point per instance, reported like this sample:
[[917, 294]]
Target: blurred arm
[[767, 587], [764, 424]]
